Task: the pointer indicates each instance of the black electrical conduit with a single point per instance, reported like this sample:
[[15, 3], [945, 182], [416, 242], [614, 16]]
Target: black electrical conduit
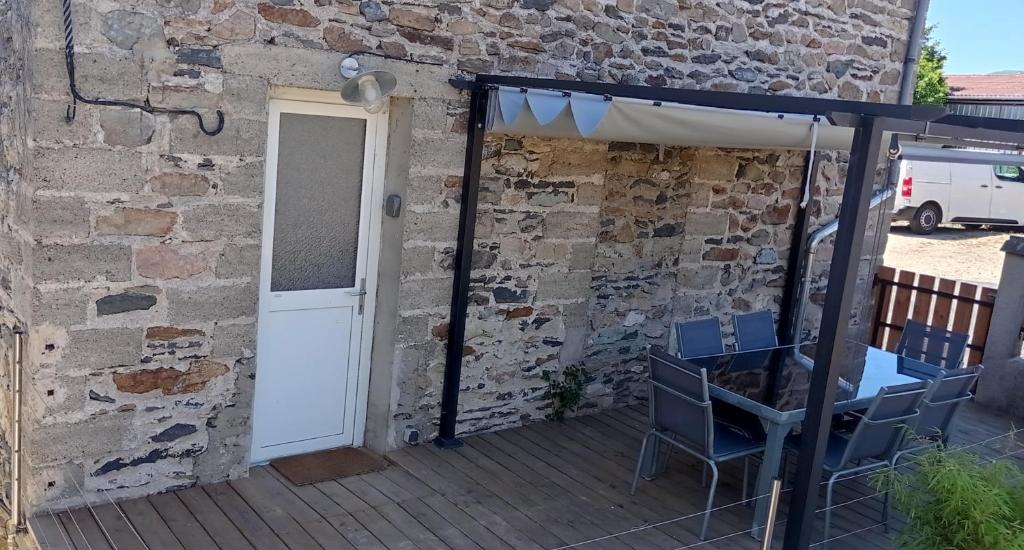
[[76, 96]]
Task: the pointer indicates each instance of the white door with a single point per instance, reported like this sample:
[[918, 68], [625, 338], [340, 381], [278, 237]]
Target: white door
[[1008, 194], [321, 222], [971, 194]]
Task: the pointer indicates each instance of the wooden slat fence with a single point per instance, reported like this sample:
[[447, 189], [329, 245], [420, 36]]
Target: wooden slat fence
[[956, 305]]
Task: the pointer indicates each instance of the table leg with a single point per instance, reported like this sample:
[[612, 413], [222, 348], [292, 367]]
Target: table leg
[[773, 453]]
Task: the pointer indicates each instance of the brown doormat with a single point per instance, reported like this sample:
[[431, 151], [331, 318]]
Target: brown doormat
[[328, 465]]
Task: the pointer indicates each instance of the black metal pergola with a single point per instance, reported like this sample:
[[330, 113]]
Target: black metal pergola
[[870, 123]]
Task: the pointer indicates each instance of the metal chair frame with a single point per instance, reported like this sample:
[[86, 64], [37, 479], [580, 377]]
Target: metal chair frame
[[708, 456], [897, 423]]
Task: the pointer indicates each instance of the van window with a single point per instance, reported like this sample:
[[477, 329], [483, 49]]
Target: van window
[[1008, 173]]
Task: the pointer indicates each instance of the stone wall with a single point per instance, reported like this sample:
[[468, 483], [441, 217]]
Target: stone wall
[[138, 273], [15, 247], [587, 252]]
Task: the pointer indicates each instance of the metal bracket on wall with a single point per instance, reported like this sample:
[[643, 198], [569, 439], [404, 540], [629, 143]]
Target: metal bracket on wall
[[76, 96]]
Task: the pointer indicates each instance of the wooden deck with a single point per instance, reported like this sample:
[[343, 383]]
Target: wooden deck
[[543, 486]]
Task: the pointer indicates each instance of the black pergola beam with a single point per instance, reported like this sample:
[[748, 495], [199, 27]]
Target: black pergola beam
[[835, 321], [463, 268], [725, 100]]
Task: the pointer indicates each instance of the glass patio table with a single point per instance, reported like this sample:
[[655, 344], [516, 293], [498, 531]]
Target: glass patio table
[[774, 385]]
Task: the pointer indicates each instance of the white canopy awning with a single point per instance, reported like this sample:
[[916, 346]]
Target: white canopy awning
[[546, 113]]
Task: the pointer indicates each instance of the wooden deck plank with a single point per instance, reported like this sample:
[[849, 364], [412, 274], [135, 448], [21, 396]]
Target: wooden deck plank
[[85, 524], [538, 532], [473, 529], [150, 525], [563, 523], [244, 518], [539, 486], [310, 520], [438, 525], [49, 533], [494, 522], [181, 522], [276, 517], [118, 527], [217, 525], [595, 520], [341, 520], [383, 530]]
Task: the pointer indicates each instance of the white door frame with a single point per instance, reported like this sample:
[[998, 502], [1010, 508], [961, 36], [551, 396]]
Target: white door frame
[[324, 104]]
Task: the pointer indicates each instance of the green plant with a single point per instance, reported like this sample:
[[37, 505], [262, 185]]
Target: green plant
[[954, 501], [931, 87], [565, 392]]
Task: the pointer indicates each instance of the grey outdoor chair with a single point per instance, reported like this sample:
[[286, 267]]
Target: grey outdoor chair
[[681, 416], [933, 345], [755, 331], [699, 338], [938, 409], [874, 442]]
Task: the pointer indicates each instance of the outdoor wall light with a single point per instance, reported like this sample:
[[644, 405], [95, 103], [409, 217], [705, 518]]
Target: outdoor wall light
[[368, 89]]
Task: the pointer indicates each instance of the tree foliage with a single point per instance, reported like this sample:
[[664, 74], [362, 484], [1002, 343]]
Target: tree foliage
[[931, 87]]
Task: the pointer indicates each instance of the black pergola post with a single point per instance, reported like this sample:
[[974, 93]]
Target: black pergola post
[[835, 320], [463, 267]]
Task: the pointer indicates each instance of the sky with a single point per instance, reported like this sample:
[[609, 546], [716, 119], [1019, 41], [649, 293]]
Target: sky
[[980, 36]]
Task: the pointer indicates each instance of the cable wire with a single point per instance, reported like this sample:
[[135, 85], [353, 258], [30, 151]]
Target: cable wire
[[76, 96]]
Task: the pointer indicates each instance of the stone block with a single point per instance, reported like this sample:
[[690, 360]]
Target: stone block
[[59, 217], [236, 340], [706, 223], [124, 302], [425, 293], [440, 227], [167, 262], [282, 65], [570, 286], [180, 184], [238, 261], [94, 349], [571, 225], [59, 306], [82, 262], [209, 222], [146, 222], [50, 126], [89, 170], [418, 260], [245, 97], [245, 180], [211, 303], [716, 167], [240, 137], [127, 127], [51, 444], [107, 74], [126, 28]]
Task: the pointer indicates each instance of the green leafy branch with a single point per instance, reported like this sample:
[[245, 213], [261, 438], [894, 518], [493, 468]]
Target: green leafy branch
[[566, 392]]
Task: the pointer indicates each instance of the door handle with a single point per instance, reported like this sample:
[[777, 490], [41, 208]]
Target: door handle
[[999, 187], [361, 293], [984, 185]]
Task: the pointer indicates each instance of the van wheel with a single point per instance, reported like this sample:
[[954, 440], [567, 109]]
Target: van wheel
[[926, 219]]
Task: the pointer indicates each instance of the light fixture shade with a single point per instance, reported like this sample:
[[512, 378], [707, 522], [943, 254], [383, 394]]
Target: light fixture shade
[[369, 90]]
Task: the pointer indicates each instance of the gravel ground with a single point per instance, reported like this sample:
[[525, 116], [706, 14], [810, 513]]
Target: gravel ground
[[952, 252]]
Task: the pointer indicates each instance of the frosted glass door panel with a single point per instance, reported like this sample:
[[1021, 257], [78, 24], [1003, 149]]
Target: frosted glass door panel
[[316, 215]]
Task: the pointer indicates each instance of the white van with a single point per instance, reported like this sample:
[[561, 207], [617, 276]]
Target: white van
[[933, 192]]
